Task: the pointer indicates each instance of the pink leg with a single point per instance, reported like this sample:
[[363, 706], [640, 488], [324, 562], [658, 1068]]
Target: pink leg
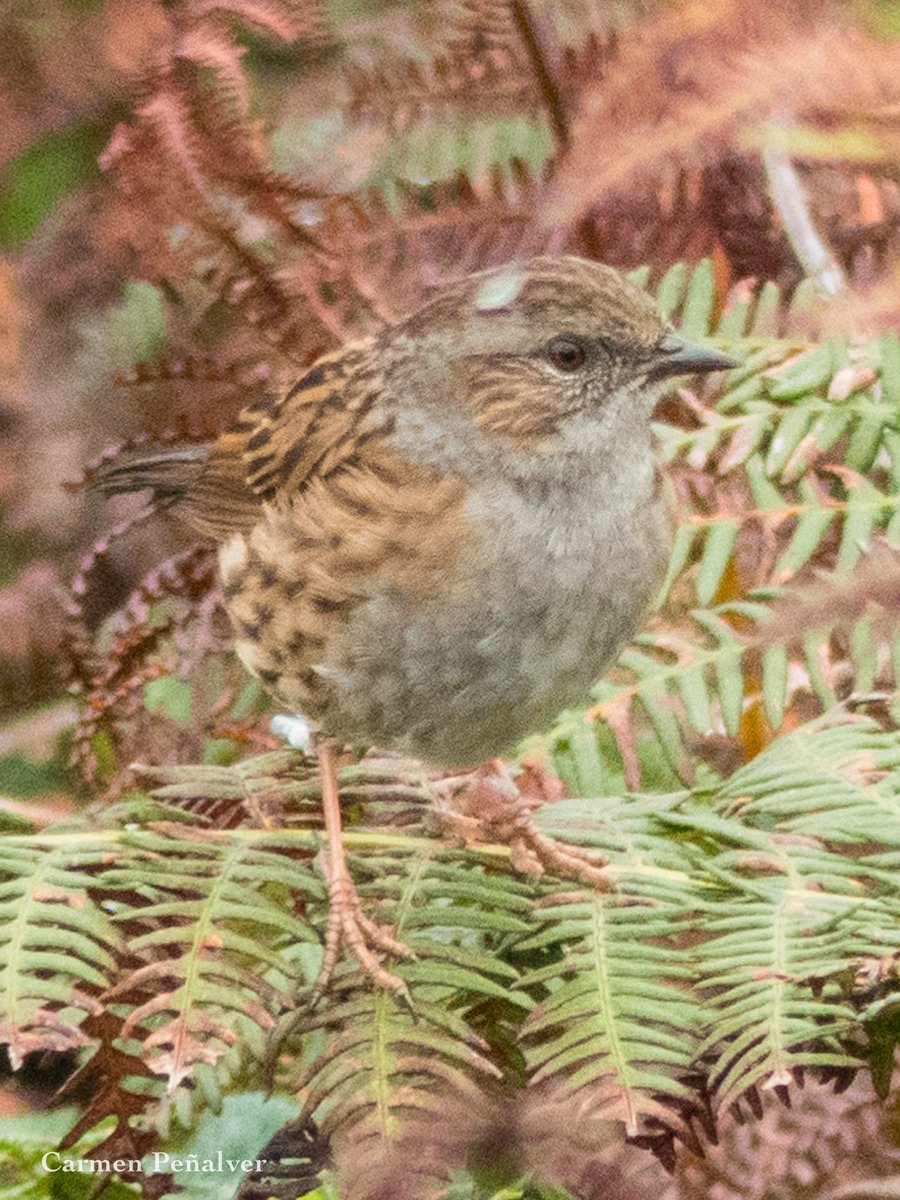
[[346, 921]]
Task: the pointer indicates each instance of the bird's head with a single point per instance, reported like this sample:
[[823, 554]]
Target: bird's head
[[544, 355]]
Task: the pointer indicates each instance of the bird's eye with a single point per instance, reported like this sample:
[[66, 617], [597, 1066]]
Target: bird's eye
[[566, 354]]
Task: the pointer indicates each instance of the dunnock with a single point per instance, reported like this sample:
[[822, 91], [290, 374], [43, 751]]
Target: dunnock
[[442, 534]]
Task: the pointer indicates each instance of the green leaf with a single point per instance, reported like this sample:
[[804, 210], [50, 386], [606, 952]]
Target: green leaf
[[56, 945], [765, 318], [792, 428], [806, 539], [581, 1037], [169, 695], [33, 183], [809, 373], [774, 684], [681, 549], [670, 292], [865, 441], [696, 315], [247, 1121], [890, 369], [717, 550]]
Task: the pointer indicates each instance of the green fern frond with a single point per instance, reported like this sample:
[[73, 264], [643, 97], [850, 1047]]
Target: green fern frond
[[759, 969], [821, 525], [788, 399], [777, 962], [726, 960], [760, 507], [836, 779], [209, 928], [379, 1044], [616, 1028], [58, 949], [393, 1081], [616, 1023], [697, 681], [394, 789], [453, 915], [686, 681]]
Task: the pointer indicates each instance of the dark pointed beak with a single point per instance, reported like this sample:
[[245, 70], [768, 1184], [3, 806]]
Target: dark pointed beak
[[675, 356]]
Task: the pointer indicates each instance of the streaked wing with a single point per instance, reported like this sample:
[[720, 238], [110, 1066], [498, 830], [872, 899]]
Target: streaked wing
[[281, 444], [316, 427], [344, 516]]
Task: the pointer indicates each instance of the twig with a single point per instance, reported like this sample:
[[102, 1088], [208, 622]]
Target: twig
[[813, 253]]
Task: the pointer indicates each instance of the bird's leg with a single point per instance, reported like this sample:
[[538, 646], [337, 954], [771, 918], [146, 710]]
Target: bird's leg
[[494, 806], [347, 922]]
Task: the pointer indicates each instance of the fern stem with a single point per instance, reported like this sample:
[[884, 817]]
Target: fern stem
[[302, 838], [797, 510], [549, 88], [606, 1015], [311, 839]]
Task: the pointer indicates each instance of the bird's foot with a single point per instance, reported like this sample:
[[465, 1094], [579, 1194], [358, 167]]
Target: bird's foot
[[349, 926], [494, 805], [347, 923]]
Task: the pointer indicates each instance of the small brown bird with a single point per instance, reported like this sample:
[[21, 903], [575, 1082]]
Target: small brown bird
[[441, 535]]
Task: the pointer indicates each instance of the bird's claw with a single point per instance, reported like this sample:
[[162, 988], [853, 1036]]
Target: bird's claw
[[494, 806], [348, 925]]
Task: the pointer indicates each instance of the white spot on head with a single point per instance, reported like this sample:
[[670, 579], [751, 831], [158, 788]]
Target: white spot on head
[[499, 291]]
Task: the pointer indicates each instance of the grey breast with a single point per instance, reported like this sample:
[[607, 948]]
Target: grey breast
[[552, 589]]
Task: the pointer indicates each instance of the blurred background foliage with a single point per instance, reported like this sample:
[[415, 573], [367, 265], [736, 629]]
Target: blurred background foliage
[[197, 197]]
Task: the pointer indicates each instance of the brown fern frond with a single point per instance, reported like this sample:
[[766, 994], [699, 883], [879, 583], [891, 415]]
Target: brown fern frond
[[143, 648], [79, 637], [684, 86], [32, 633], [484, 27], [823, 1143], [472, 64], [490, 58], [109, 1075], [190, 369], [212, 151], [245, 171], [217, 51], [387, 260], [166, 113], [397, 94], [283, 20], [193, 155]]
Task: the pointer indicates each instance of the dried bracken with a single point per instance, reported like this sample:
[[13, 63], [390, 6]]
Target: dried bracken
[[168, 937]]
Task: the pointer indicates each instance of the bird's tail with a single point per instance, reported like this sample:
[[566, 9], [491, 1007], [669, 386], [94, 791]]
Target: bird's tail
[[169, 473], [206, 483]]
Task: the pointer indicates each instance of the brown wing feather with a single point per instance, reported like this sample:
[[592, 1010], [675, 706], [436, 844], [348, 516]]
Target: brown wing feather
[[380, 524], [315, 426], [219, 502], [341, 515], [280, 444]]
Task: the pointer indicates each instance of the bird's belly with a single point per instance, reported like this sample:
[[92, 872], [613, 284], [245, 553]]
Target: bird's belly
[[522, 629]]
